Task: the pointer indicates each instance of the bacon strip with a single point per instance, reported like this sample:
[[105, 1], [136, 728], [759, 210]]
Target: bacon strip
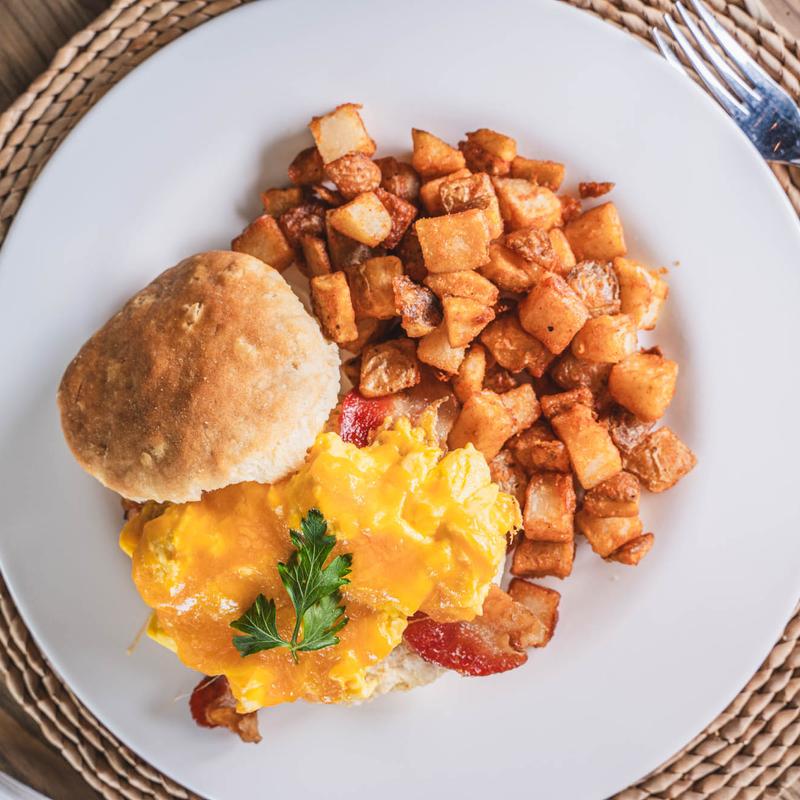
[[213, 706]]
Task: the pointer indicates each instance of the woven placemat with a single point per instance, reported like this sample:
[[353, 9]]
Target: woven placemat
[[751, 751]]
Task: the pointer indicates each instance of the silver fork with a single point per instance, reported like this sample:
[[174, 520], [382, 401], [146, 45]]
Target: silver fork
[[763, 110]]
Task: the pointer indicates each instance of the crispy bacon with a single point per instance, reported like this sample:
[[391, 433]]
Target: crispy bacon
[[213, 706], [360, 416]]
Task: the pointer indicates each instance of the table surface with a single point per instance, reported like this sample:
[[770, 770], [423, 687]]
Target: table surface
[[30, 34]]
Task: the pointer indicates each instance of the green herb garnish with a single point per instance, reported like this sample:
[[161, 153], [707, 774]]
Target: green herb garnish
[[313, 589]]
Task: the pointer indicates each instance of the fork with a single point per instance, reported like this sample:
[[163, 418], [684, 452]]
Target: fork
[[764, 111]]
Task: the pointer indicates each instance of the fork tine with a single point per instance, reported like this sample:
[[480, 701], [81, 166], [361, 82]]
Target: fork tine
[[723, 68], [666, 49], [725, 98]]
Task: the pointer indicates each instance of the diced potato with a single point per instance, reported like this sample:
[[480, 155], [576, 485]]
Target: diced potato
[[626, 429], [430, 193], [522, 404], [330, 299], [369, 329], [433, 157], [307, 167], [660, 460], [540, 559], [497, 378], [264, 240], [508, 271], [524, 204], [591, 451], [484, 422], [642, 292], [464, 283], [352, 369], [553, 313], [371, 286], [305, 219], [543, 604], [464, 319], [470, 376], [417, 306], [570, 372], [410, 253], [315, 256], [564, 255], [595, 188], [513, 348], [454, 242], [549, 507], [330, 198], [632, 552], [472, 191], [571, 208], [596, 234], [607, 534], [364, 219], [596, 284], [344, 252], [402, 213], [498, 144], [555, 404], [399, 178], [533, 245], [508, 475], [545, 173], [339, 132], [606, 339], [644, 383], [354, 174], [278, 201], [480, 160], [616, 497], [389, 367], [434, 349], [537, 450]]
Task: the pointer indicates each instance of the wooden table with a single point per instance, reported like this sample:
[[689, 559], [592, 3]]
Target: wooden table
[[30, 33]]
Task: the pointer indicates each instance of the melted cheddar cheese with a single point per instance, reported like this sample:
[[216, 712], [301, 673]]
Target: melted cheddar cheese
[[427, 533]]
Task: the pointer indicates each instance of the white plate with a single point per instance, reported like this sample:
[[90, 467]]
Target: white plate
[[171, 163]]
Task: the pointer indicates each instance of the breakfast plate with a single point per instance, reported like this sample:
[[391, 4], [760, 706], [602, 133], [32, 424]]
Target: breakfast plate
[[171, 163]]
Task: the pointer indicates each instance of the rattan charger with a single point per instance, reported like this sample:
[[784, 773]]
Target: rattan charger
[[751, 751]]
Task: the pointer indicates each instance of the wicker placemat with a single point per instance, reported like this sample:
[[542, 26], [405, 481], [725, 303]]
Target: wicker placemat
[[751, 751]]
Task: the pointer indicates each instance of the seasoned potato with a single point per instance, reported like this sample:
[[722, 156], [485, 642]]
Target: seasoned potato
[[330, 198], [278, 201], [264, 240], [660, 460], [537, 450], [606, 339], [307, 167], [571, 208], [339, 132], [388, 367], [513, 348], [591, 451], [616, 497], [434, 349], [433, 157], [471, 373], [540, 559], [607, 534], [305, 219], [545, 173], [315, 256], [549, 507], [497, 378], [364, 219], [553, 313], [632, 552], [497, 144], [626, 429], [484, 422], [644, 383], [596, 284], [533, 245], [410, 253], [369, 330], [343, 251], [509, 271], [430, 193], [570, 372], [330, 299], [464, 319], [508, 475], [596, 235], [472, 191], [354, 174], [543, 604], [371, 286], [565, 258], [642, 292], [524, 204], [488, 151], [555, 404], [402, 213], [454, 242], [464, 283], [523, 406], [417, 306], [595, 188], [399, 178]]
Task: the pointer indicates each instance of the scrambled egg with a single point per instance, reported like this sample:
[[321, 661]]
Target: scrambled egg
[[427, 533]]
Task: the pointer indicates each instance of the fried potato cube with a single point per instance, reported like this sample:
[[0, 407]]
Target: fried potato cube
[[433, 157], [626, 429], [591, 451], [484, 422], [555, 404], [498, 379], [543, 604], [472, 191], [369, 329], [464, 319], [549, 507], [644, 383], [306, 168], [341, 131], [354, 174], [307, 218], [430, 193], [660, 460], [607, 534], [410, 253], [523, 406], [480, 160], [402, 213], [371, 286], [498, 144], [364, 219], [330, 198], [553, 313], [435, 349], [565, 258], [388, 367], [616, 497], [537, 450], [464, 283], [540, 559], [264, 240], [471, 373], [315, 256], [595, 188], [508, 475], [513, 348], [344, 252], [417, 306], [278, 201], [596, 234], [642, 292], [399, 178], [524, 204], [596, 284], [545, 173], [606, 339], [533, 245], [570, 372], [632, 552], [454, 242], [330, 299], [509, 271]]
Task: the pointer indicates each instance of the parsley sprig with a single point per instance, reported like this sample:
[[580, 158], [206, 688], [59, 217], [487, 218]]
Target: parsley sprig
[[313, 589]]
